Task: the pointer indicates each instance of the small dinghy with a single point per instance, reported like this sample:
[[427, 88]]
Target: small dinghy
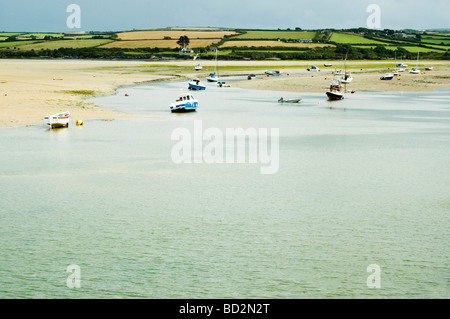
[[283, 100], [57, 120]]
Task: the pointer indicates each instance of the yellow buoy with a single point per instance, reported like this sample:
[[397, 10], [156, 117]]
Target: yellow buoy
[[79, 122], [398, 78]]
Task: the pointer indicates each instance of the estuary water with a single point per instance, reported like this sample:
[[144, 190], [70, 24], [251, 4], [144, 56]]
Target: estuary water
[[361, 182]]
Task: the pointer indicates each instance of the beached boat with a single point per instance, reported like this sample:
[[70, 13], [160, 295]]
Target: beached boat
[[416, 69], [401, 65], [194, 84], [313, 68], [198, 67], [346, 78], [283, 100], [274, 72], [251, 77], [387, 76], [214, 76], [429, 68], [57, 120], [184, 103], [327, 65], [335, 92], [222, 84]]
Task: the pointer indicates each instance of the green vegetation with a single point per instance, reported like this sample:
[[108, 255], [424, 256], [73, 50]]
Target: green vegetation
[[358, 44], [346, 38]]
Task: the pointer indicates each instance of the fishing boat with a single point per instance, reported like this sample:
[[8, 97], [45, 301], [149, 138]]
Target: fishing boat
[[184, 103], [283, 100], [335, 92], [194, 84], [57, 120], [274, 72], [416, 69], [214, 76], [387, 76]]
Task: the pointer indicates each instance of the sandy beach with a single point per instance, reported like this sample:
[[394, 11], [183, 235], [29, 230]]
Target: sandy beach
[[31, 89]]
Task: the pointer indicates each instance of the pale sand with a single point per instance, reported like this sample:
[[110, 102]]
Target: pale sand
[[31, 89]]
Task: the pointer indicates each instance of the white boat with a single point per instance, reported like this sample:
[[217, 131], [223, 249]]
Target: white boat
[[195, 84], [198, 67], [416, 69], [327, 65], [57, 120], [401, 65], [387, 76], [184, 103], [214, 77], [222, 84], [346, 78]]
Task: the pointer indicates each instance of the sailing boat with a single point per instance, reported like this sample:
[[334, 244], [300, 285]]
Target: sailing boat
[[213, 77], [416, 69], [198, 66], [346, 78]]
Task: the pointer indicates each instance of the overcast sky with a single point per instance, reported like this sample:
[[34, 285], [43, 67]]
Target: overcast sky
[[117, 15]]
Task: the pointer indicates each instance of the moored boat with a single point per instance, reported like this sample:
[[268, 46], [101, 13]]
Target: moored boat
[[283, 100], [274, 72], [335, 92], [194, 84], [57, 120], [387, 76], [198, 67], [184, 103]]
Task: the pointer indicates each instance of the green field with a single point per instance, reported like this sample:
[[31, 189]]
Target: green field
[[345, 38], [73, 44], [15, 44], [273, 35], [436, 40]]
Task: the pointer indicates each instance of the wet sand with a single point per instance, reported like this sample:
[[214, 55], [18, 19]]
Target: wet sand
[[31, 89]]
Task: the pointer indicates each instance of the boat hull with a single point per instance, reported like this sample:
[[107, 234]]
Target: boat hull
[[184, 107], [334, 96], [193, 86], [57, 120]]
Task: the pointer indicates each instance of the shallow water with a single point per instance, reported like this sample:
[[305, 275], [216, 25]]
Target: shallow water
[[361, 181]]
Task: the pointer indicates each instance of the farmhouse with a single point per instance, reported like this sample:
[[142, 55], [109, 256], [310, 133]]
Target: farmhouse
[[186, 50]]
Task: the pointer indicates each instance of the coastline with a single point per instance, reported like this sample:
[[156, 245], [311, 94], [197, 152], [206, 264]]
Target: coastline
[[31, 89]]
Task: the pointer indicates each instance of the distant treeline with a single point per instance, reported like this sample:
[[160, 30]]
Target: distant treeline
[[379, 52]]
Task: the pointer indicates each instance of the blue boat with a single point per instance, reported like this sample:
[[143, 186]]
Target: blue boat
[[212, 77], [184, 103], [276, 72], [195, 85]]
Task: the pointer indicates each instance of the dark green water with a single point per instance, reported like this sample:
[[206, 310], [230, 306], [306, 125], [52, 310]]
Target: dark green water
[[361, 181]]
